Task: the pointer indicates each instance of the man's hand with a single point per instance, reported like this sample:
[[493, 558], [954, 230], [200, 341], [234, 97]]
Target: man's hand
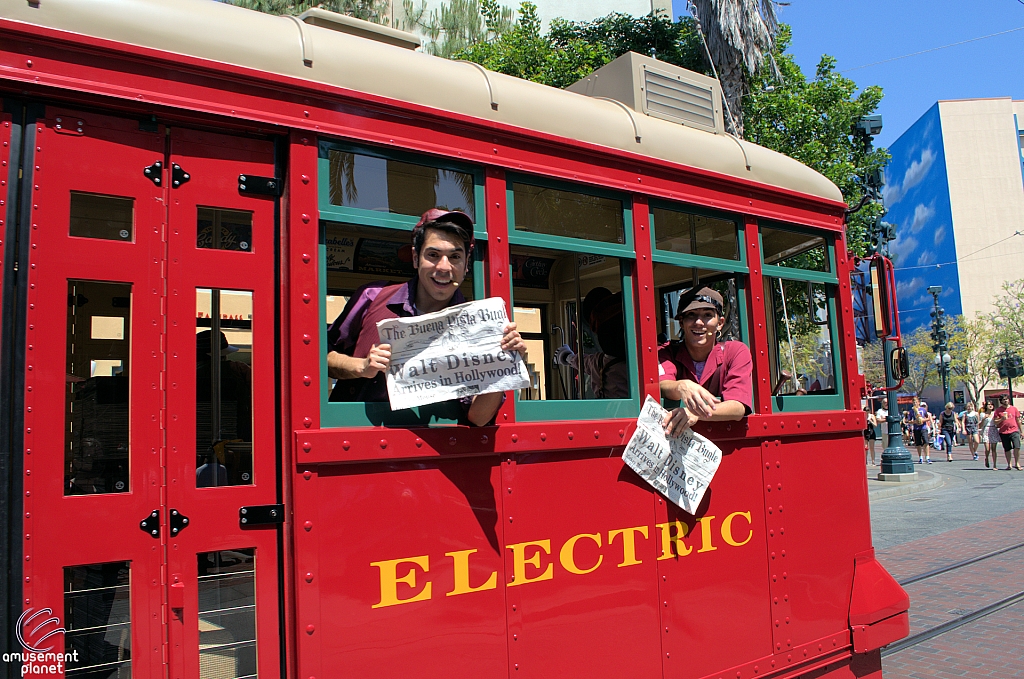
[[692, 396], [511, 341], [377, 361], [679, 420]]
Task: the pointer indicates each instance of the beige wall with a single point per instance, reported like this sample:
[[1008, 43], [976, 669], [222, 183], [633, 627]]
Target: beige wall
[[986, 195]]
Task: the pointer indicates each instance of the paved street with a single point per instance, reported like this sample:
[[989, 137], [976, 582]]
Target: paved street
[[961, 510]]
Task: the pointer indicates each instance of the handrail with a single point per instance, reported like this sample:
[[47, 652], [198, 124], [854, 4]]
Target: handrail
[[491, 90], [305, 39], [630, 112]]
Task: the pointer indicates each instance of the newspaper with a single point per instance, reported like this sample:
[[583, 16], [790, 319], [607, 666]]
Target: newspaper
[[679, 467], [450, 354]]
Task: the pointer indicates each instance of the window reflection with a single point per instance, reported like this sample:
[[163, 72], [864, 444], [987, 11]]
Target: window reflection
[[227, 614], [568, 213], [97, 617], [220, 229], [384, 185], [96, 388], [794, 250], [695, 234], [106, 217], [223, 388]]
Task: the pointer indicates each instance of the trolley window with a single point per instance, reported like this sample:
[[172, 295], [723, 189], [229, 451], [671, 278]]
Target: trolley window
[[696, 248], [369, 203], [572, 262], [800, 297]]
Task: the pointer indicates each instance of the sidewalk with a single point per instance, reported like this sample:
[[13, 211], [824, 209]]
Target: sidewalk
[[926, 480]]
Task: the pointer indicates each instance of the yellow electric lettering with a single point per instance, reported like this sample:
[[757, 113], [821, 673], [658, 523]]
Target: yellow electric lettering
[[668, 539], [568, 558], [628, 543], [705, 535], [727, 529], [519, 562], [462, 586], [389, 580]]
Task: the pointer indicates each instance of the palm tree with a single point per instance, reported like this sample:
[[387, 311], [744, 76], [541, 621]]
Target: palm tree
[[739, 34]]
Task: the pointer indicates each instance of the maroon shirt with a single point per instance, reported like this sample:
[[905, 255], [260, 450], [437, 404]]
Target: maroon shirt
[[727, 372]]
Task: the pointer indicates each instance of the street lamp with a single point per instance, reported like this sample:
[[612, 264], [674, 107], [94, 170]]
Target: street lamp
[[940, 337], [942, 362]]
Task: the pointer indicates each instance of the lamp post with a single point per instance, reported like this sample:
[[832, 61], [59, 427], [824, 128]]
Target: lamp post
[[942, 362], [896, 459], [939, 339]]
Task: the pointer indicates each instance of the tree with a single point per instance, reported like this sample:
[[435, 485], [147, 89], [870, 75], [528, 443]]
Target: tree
[[923, 372], [376, 11], [1008, 318], [871, 364], [974, 351], [740, 36], [811, 121]]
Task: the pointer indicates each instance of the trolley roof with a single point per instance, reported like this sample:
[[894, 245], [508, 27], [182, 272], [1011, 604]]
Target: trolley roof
[[286, 46]]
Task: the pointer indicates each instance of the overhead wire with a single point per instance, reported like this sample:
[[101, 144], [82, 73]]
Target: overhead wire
[[938, 265], [935, 49]]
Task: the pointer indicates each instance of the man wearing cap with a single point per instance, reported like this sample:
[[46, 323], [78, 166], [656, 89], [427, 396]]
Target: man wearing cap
[[441, 245], [710, 379]]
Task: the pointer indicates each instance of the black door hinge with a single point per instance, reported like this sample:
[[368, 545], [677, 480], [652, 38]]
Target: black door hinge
[[178, 175], [260, 515], [179, 522], [154, 172], [260, 186], [151, 524]]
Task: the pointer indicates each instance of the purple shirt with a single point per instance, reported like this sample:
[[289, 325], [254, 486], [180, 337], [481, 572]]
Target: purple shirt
[[344, 331], [726, 373]]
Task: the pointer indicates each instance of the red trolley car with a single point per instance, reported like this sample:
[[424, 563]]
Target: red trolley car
[[191, 191]]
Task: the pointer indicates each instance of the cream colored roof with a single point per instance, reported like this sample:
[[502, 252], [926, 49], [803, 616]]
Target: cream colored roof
[[223, 33]]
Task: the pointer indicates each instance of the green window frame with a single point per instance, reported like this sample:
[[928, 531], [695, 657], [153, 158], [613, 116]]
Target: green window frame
[[793, 403], [739, 267], [589, 409], [363, 414]]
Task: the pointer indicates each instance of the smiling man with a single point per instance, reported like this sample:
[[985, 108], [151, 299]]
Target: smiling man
[[710, 379], [441, 244]]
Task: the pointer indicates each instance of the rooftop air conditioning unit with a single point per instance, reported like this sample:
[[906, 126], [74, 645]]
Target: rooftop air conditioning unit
[[659, 90]]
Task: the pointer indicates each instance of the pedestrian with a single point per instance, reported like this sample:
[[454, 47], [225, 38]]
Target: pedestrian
[[922, 425], [1007, 419], [969, 420], [989, 434], [870, 436], [949, 425]]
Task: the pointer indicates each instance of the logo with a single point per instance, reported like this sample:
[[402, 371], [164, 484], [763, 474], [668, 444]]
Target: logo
[[33, 632], [34, 628]]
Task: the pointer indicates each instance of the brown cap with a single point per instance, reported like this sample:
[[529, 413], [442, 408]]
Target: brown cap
[[704, 298], [436, 214]]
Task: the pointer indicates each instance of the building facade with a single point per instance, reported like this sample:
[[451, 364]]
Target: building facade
[[955, 191]]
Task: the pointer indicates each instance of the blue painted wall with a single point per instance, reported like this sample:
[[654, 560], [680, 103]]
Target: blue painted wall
[[917, 198]]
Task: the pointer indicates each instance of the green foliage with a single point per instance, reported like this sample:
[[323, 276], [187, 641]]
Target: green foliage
[[376, 11], [811, 120], [922, 361], [677, 43], [1008, 318], [972, 346]]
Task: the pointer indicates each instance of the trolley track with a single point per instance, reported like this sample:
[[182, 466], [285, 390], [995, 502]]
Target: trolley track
[[960, 620]]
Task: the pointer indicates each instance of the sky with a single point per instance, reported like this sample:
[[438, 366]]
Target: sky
[[862, 32]]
